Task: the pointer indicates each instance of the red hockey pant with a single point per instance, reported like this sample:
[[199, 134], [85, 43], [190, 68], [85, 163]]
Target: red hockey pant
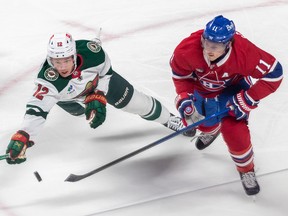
[[236, 134]]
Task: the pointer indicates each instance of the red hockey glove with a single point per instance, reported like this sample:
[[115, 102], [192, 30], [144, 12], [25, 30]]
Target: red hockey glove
[[241, 104], [95, 109], [17, 147], [185, 106]]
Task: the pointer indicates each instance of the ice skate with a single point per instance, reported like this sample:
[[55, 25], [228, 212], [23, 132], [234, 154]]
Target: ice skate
[[250, 183], [175, 123], [205, 139]]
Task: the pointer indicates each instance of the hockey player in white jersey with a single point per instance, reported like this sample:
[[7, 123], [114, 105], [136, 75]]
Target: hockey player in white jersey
[[78, 77]]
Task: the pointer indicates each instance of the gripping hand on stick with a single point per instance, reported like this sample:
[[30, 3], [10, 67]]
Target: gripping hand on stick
[[241, 104], [188, 112]]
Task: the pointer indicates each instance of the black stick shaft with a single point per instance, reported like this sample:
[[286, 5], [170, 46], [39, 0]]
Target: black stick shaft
[[74, 178], [2, 157]]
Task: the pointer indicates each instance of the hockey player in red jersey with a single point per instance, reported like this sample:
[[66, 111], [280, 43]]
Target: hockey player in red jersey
[[212, 70]]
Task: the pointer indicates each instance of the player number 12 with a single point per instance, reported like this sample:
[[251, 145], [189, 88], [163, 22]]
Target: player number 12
[[40, 92]]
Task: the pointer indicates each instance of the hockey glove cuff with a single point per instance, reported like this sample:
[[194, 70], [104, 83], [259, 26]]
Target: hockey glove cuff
[[95, 109], [17, 147], [241, 104]]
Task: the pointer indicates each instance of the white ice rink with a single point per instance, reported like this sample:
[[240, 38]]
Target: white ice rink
[[170, 179]]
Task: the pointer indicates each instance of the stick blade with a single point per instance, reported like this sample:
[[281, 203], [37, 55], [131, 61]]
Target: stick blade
[[73, 178]]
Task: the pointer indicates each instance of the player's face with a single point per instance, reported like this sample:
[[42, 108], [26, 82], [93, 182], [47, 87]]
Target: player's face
[[213, 50], [64, 66]]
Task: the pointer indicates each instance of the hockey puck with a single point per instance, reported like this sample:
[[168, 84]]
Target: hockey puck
[[37, 175]]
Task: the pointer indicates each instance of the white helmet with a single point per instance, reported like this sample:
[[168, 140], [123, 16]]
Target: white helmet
[[61, 45]]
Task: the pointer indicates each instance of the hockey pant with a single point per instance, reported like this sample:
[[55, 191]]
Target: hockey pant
[[235, 133], [122, 95]]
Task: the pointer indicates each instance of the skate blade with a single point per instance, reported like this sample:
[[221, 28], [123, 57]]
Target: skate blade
[[252, 197]]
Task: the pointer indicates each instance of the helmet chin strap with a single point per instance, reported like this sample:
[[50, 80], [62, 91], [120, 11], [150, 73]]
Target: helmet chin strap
[[75, 66]]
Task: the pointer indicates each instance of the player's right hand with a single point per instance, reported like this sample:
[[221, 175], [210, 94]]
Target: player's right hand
[[187, 110], [17, 147]]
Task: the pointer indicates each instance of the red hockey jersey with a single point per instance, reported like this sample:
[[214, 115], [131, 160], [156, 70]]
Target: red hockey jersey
[[191, 70]]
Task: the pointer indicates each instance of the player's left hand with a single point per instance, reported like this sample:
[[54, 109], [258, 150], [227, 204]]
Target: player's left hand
[[17, 147], [95, 109], [241, 104]]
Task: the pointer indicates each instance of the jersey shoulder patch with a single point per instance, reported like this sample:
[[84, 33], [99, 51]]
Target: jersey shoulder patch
[[93, 46], [50, 75], [90, 52]]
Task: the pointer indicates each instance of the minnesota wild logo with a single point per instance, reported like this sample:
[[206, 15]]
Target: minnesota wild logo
[[90, 87], [93, 46], [51, 74]]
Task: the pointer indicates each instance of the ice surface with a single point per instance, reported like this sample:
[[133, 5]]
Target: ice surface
[[170, 179]]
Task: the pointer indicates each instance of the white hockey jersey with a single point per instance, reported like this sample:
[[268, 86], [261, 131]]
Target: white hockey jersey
[[92, 73]]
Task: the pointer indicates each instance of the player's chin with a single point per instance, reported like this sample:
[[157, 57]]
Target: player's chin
[[65, 74], [211, 58]]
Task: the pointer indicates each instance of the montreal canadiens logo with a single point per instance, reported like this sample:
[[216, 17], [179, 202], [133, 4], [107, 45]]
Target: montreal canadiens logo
[[51, 75], [188, 110], [212, 85]]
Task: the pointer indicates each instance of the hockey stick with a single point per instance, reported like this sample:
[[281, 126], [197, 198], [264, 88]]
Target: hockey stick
[[74, 178], [2, 157]]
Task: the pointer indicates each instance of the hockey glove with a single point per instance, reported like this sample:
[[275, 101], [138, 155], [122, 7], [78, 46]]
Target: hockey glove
[[17, 147], [241, 104], [185, 106], [95, 109]]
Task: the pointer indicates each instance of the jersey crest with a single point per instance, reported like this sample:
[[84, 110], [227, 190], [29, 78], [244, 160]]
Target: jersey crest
[[213, 85], [90, 87]]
